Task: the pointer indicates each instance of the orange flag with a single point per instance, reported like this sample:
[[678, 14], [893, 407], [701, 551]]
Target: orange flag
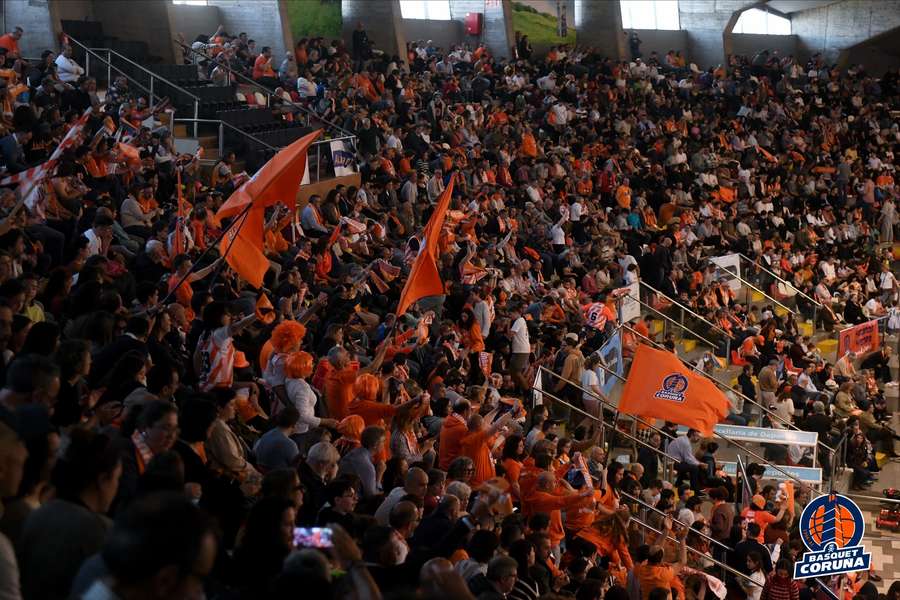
[[769, 156], [424, 278], [277, 181], [242, 247], [660, 386], [265, 312]]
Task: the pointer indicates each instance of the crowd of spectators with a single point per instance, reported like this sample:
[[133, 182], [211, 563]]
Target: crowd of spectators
[[163, 437]]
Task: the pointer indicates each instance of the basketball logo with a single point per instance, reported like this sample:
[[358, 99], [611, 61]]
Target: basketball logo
[[673, 388], [832, 527]]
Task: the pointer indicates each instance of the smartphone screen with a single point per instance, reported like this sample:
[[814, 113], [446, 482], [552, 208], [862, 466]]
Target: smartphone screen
[[312, 537]]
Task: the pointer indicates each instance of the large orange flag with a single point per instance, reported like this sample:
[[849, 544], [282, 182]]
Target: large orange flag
[[660, 386], [424, 278], [242, 247], [277, 181]]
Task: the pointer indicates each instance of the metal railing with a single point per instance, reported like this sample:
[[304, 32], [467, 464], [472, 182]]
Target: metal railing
[[232, 74], [718, 563], [222, 125], [634, 439], [751, 287], [646, 506], [95, 54], [684, 309], [759, 265], [669, 319]]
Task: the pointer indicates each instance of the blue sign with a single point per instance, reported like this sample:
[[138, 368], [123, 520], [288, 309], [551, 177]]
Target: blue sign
[[764, 435], [804, 474], [611, 358], [832, 527]]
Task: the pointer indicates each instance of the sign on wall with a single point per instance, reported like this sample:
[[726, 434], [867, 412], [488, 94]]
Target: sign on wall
[[860, 339], [732, 264]]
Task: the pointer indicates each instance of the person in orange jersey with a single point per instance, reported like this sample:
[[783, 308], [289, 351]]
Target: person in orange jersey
[[476, 444], [654, 573], [548, 499], [340, 381], [453, 430]]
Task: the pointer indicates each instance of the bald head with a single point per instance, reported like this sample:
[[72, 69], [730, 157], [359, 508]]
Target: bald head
[[433, 569], [416, 482]]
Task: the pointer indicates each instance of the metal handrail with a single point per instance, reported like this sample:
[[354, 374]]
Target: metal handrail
[[248, 81], [89, 52], [604, 402], [683, 307], [109, 68], [725, 386], [674, 520], [222, 124], [666, 456], [756, 263], [751, 286], [148, 71], [674, 322], [612, 426], [698, 552]]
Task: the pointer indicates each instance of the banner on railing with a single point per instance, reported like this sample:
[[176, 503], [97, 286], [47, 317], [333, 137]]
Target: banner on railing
[[732, 264], [860, 338], [343, 159], [611, 358], [629, 306]]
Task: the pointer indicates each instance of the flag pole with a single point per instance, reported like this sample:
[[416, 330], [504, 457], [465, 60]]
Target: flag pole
[[215, 244]]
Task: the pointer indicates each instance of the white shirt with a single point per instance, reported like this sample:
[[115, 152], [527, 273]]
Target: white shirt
[[558, 235], [94, 243], [520, 342], [305, 87], [588, 380], [69, 70], [302, 396], [575, 212]]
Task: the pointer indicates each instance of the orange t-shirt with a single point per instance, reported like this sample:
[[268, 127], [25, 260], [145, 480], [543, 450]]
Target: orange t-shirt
[[623, 196], [654, 576], [339, 390], [513, 469], [453, 430], [183, 295], [371, 412], [475, 446], [761, 518], [9, 42], [551, 504], [581, 516]]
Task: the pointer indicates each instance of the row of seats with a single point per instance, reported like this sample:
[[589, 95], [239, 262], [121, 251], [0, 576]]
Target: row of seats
[[251, 119], [181, 75]]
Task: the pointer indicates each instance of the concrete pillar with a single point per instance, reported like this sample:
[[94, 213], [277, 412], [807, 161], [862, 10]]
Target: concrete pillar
[[598, 23], [383, 23]]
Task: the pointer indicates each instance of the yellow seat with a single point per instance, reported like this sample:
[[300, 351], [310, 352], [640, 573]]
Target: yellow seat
[[805, 328], [757, 296], [689, 345], [656, 326], [780, 311], [827, 345]]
